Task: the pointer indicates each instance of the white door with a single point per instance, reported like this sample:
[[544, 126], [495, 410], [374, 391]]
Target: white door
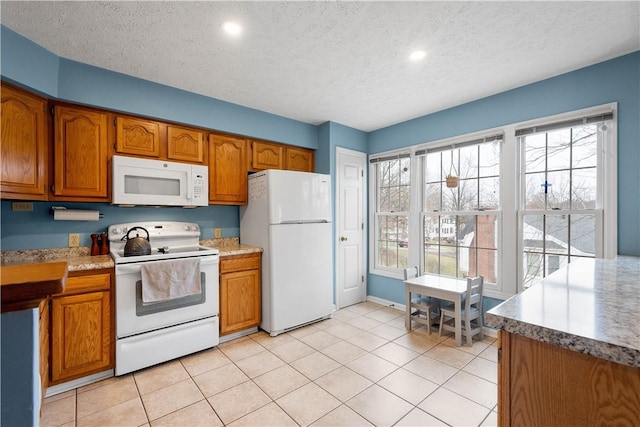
[[350, 227]]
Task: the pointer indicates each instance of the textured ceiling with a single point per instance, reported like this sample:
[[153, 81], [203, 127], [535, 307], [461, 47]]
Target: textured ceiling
[[341, 61]]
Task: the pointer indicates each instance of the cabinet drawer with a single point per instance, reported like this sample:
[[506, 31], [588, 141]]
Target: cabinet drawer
[[239, 263], [94, 282]]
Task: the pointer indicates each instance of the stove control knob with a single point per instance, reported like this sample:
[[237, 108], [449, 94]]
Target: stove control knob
[[195, 227], [187, 227]]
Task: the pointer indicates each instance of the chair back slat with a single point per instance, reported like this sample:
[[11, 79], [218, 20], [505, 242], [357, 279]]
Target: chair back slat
[[474, 293], [410, 273]]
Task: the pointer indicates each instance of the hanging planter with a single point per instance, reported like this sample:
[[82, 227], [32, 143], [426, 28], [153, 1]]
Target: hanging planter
[[452, 179]]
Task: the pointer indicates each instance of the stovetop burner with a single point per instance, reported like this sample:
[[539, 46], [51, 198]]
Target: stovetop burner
[[168, 239]]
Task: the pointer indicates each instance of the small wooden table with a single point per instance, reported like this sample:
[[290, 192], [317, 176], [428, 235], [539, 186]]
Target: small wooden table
[[441, 287]]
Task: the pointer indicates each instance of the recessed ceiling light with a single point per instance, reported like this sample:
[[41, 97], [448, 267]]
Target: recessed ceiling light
[[232, 28], [417, 55]]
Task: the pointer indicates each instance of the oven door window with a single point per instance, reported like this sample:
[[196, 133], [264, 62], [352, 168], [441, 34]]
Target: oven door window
[[158, 307]]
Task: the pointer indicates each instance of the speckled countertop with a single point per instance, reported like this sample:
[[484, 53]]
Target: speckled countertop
[[590, 306], [79, 259]]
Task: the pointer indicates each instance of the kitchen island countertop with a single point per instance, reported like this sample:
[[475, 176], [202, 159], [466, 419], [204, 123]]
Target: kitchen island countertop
[[590, 306]]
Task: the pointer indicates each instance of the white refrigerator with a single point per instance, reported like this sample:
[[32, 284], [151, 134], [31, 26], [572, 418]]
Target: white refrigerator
[[289, 216]]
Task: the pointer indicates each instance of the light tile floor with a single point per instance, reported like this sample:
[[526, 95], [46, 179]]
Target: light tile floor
[[358, 368]]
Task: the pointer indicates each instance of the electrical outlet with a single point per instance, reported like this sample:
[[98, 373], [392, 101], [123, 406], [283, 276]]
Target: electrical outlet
[[21, 206], [74, 240], [217, 233]]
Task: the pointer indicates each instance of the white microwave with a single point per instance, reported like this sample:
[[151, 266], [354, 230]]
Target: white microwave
[[158, 183]]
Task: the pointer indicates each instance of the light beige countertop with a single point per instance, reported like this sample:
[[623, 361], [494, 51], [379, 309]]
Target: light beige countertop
[[590, 306], [79, 259]]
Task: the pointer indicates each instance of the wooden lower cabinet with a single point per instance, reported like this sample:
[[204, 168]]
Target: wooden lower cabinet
[[541, 384], [82, 328], [240, 297]]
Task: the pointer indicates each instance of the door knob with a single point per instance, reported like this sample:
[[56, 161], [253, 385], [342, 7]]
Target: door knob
[[343, 239]]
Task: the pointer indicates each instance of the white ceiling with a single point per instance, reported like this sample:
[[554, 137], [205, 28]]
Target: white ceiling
[[341, 61]]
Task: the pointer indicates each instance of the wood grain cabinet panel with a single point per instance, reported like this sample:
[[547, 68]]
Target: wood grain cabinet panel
[[299, 159], [266, 155], [240, 298], [80, 154], [185, 144], [138, 137], [82, 328], [43, 324], [227, 170], [540, 384], [24, 146]]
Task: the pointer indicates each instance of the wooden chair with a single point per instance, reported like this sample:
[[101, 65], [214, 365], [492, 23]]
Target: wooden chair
[[426, 308], [471, 312]]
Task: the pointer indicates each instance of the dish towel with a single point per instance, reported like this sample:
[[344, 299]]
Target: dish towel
[[166, 280]]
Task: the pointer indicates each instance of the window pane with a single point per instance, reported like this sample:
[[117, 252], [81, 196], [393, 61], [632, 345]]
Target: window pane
[[533, 268], [433, 170], [468, 162], [486, 264], [432, 194], [583, 235], [486, 228], [468, 195], [584, 146], [392, 230], [534, 191], [403, 171], [557, 234], [535, 153], [490, 159], [558, 194], [489, 197], [450, 201], [583, 188], [533, 232], [559, 149]]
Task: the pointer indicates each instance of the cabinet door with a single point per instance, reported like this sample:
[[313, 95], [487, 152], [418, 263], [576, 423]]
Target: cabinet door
[[81, 335], [299, 159], [80, 153], [24, 146], [227, 170], [185, 144], [239, 301], [136, 136], [265, 155]]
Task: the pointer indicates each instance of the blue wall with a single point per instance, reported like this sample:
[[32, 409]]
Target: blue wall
[[37, 229]]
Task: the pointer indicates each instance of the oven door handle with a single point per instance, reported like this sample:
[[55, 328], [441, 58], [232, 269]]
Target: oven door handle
[[135, 267]]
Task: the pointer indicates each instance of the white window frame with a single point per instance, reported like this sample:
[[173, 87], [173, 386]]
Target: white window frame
[[607, 211], [374, 268], [510, 261]]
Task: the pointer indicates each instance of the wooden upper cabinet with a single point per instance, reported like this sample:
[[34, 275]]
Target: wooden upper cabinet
[[24, 146], [227, 170], [80, 154], [266, 155], [185, 144], [299, 159], [138, 137]]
